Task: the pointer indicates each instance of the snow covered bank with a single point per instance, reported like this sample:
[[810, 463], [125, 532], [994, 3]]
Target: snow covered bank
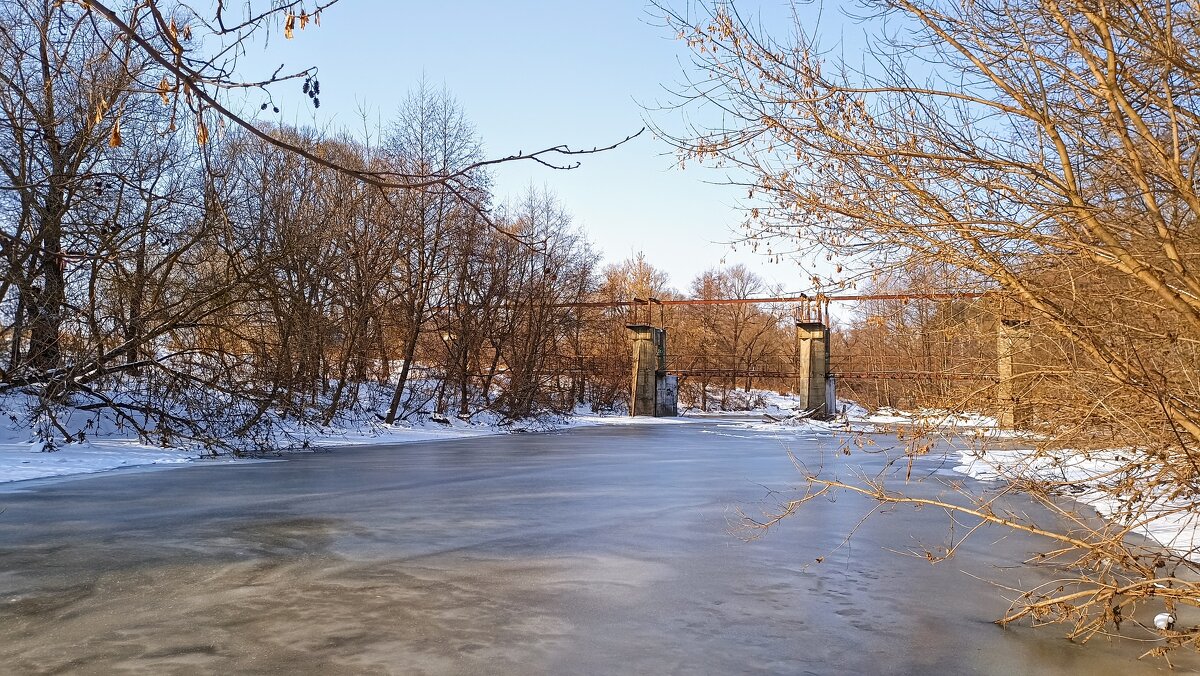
[[23, 458], [101, 445], [21, 461], [98, 445], [1100, 479], [783, 411]]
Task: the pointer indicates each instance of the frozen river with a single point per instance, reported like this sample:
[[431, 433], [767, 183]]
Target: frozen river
[[595, 551]]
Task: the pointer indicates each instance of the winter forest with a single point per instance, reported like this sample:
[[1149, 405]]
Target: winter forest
[[195, 281]]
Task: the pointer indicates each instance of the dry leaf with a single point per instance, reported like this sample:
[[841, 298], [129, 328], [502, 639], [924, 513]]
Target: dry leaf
[[303, 19], [288, 25], [114, 139], [163, 88], [173, 31], [101, 108], [201, 132]]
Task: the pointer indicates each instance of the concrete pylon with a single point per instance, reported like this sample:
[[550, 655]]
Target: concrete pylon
[[812, 366], [1013, 362], [653, 392]]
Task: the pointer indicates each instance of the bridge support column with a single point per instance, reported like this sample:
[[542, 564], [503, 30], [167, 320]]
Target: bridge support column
[[1012, 351], [653, 392], [813, 384]]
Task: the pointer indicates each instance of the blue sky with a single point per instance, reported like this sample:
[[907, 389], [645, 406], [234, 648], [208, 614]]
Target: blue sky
[[531, 74]]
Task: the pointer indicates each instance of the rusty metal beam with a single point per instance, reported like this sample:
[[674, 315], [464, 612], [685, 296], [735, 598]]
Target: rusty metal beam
[[862, 375], [913, 375], [802, 298]]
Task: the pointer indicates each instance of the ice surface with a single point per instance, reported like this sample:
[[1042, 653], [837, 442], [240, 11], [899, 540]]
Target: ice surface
[[106, 446]]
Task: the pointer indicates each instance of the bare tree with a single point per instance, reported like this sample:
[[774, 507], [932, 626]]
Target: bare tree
[[59, 85], [536, 325], [1047, 152], [431, 135]]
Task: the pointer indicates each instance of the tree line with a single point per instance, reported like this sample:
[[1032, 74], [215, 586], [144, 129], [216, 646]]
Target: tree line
[[196, 280], [201, 285]]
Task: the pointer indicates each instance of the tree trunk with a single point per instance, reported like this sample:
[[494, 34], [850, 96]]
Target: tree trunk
[[45, 328], [410, 351]]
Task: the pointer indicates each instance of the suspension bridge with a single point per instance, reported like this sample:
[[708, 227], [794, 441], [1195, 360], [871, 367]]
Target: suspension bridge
[[811, 368]]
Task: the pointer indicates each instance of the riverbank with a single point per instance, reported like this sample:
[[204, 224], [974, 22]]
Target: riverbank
[[101, 444], [105, 447]]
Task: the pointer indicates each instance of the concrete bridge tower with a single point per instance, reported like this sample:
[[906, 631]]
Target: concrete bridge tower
[[1012, 349], [814, 385], [653, 392]]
